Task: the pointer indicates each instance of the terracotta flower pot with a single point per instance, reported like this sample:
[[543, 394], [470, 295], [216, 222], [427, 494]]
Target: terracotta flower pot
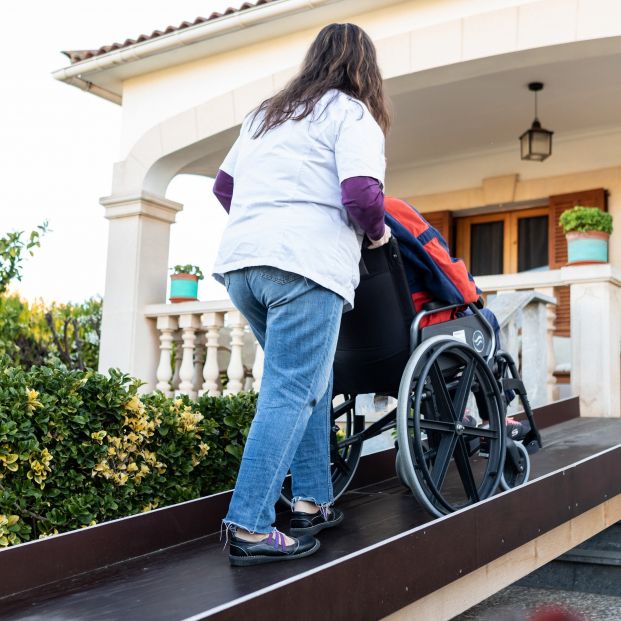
[[183, 288], [585, 247]]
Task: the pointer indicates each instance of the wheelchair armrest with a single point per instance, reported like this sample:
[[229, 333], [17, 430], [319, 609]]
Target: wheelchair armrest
[[435, 306], [432, 306]]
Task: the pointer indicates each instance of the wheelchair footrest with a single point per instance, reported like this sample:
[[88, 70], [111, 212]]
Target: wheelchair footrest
[[531, 442]]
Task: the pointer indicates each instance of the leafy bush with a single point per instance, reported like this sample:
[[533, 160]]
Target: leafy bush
[[33, 333], [585, 219], [78, 447], [12, 250]]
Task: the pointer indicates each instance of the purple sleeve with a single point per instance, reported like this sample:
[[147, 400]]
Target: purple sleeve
[[364, 200], [223, 189]]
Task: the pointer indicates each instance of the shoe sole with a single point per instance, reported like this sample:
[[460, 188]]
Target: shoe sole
[[244, 561], [313, 530]]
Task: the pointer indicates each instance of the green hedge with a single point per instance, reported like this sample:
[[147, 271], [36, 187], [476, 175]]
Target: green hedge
[[79, 447]]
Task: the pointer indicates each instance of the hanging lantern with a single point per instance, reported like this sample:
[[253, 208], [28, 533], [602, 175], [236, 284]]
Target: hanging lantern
[[536, 142]]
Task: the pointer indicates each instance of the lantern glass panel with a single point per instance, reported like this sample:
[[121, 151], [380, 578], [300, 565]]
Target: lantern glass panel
[[525, 145], [540, 144]]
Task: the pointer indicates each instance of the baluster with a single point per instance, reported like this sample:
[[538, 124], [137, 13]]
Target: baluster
[[235, 370], [178, 355], [188, 324], [166, 325], [199, 362], [257, 368], [552, 391], [212, 323]]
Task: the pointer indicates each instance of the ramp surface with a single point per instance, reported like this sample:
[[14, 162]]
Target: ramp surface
[[194, 579]]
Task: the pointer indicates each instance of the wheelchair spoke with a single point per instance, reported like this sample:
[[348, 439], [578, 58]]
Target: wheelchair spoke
[[441, 394], [465, 471], [442, 460], [341, 465], [463, 389], [479, 432], [437, 425]]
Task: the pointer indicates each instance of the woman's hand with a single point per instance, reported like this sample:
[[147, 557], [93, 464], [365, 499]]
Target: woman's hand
[[378, 243]]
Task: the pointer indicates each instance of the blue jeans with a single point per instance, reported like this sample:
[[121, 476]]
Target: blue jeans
[[296, 321]]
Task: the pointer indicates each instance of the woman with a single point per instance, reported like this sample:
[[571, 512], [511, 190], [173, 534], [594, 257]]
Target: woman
[[302, 184]]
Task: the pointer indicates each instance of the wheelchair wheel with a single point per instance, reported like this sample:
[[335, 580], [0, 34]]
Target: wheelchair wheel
[[344, 454], [511, 476], [400, 470], [439, 448]]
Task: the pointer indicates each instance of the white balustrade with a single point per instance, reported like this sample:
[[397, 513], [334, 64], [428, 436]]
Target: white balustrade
[[212, 341]]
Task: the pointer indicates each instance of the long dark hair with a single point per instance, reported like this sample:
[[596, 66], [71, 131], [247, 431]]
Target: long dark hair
[[341, 57]]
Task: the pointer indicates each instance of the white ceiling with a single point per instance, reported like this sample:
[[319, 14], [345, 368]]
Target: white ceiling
[[485, 112], [490, 111]]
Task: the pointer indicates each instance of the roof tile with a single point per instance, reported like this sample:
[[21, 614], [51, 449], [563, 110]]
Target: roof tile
[[75, 56]]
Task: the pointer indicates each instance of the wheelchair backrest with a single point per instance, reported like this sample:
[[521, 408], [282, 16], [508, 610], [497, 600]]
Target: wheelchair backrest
[[374, 339]]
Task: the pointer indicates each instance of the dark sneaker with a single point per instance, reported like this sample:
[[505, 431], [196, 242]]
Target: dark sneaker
[[311, 523], [269, 550], [515, 429]]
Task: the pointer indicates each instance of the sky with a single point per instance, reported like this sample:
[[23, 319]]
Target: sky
[[58, 144]]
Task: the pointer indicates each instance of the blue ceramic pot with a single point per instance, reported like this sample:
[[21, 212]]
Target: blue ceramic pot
[[587, 247], [183, 288]]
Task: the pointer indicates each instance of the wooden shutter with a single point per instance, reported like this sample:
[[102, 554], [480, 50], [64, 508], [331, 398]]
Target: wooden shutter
[[558, 246], [560, 203], [443, 222], [563, 311]]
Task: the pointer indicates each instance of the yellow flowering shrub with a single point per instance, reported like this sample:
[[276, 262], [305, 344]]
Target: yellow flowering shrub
[[78, 448]]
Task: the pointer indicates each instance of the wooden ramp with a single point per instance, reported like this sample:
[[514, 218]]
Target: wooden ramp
[[387, 559]]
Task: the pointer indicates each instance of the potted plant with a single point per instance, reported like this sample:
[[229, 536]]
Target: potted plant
[[184, 283], [587, 230]]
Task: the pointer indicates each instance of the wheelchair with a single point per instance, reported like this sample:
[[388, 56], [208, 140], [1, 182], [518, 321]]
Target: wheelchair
[[449, 380]]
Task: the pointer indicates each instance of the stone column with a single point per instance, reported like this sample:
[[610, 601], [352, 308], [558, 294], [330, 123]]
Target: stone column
[[595, 345], [136, 275]]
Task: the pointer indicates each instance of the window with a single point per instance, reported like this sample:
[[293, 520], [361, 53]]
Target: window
[[504, 243]]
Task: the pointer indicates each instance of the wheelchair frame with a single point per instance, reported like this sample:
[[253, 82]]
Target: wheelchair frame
[[441, 374]]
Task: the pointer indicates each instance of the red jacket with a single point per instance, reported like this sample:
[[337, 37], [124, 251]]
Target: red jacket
[[432, 274]]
